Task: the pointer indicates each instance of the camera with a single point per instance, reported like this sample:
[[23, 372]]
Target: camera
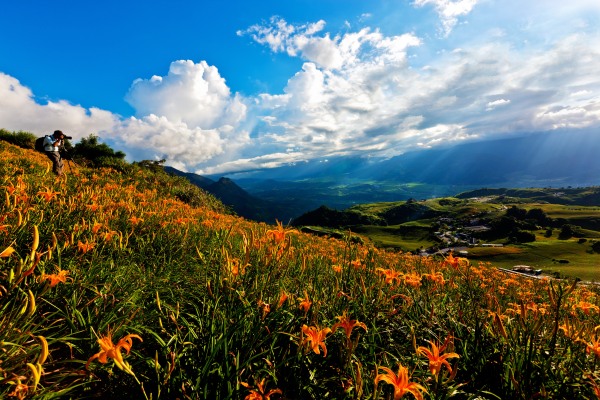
[[68, 137]]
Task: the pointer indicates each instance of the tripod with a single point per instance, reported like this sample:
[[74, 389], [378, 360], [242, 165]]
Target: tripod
[[65, 155]]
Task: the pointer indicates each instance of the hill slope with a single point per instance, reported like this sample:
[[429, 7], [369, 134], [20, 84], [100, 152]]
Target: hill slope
[[240, 201], [111, 286]]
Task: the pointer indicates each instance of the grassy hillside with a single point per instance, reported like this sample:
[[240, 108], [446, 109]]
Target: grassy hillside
[[133, 284]]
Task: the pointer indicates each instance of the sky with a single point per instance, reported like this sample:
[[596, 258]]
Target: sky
[[217, 87]]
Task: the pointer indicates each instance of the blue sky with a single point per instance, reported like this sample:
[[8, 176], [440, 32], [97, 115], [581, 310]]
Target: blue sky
[[218, 87]]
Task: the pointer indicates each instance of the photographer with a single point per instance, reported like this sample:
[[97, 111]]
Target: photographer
[[52, 145]]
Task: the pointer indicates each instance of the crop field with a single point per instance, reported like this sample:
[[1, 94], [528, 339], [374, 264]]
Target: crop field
[[136, 285]]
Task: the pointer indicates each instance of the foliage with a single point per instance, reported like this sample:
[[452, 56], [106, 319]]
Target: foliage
[[97, 154], [568, 231], [520, 236], [153, 165], [111, 287], [22, 139]]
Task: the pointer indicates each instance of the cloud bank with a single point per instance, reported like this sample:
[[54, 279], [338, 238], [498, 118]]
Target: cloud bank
[[20, 111], [357, 92]]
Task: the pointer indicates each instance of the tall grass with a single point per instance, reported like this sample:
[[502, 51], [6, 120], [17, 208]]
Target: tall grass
[[113, 287]]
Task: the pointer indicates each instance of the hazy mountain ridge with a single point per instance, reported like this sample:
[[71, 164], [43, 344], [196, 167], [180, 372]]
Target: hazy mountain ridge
[[233, 196], [560, 159]]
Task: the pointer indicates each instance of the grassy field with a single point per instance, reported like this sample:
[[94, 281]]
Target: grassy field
[[546, 254], [137, 285], [407, 238]]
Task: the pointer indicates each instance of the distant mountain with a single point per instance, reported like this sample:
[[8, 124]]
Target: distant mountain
[[233, 196], [198, 180], [558, 159]]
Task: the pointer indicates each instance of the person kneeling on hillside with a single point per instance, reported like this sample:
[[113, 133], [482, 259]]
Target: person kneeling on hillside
[[52, 145]]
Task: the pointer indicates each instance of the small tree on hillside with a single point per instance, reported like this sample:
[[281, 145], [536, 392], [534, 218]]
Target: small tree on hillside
[[567, 231], [519, 236], [97, 154]]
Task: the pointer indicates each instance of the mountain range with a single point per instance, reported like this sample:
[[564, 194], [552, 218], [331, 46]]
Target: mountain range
[[559, 159]]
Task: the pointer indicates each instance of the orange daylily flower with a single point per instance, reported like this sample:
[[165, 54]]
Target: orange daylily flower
[[400, 382], [235, 267], [571, 330], [436, 361], [109, 235], [436, 277], [10, 189], [593, 347], [454, 262], [96, 227], [55, 279], [282, 298], [347, 324], [356, 264], [315, 337], [390, 275], [586, 307], [305, 302], [48, 194], [337, 268], [135, 220], [413, 280], [279, 233], [93, 207], [4, 228], [110, 350], [207, 223], [259, 393], [85, 247]]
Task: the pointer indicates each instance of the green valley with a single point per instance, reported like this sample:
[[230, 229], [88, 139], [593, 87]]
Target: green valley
[[555, 230]]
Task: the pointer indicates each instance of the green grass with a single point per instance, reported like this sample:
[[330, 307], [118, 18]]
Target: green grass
[[545, 254]]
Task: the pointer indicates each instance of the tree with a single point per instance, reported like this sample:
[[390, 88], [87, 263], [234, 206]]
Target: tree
[[153, 165], [539, 215], [516, 212], [522, 236], [566, 232], [98, 154]]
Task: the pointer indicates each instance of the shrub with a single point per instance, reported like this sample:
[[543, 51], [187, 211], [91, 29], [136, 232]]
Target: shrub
[[522, 237], [97, 154], [22, 139]]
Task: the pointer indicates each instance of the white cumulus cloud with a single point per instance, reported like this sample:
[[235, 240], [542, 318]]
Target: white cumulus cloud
[[20, 111], [449, 10], [195, 94]]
